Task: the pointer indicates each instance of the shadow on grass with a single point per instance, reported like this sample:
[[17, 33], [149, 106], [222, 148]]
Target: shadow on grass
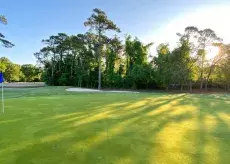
[[213, 121], [137, 129]]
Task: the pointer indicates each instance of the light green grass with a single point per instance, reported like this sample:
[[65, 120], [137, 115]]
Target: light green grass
[[51, 126]]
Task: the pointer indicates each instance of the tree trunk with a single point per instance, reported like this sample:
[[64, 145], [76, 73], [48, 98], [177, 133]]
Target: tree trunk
[[71, 70], [206, 85], [201, 84], [52, 72], [181, 88], [190, 86], [167, 88], [60, 62], [80, 82], [52, 69], [228, 88], [73, 64], [127, 65], [202, 74], [99, 71], [99, 61]]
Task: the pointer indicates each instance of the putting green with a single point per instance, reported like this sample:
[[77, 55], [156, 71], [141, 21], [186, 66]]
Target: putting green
[[51, 126]]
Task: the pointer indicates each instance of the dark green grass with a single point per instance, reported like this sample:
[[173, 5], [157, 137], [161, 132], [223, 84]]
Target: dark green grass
[[51, 126]]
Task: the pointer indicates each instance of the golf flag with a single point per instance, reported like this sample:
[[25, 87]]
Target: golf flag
[[1, 81], [1, 77]]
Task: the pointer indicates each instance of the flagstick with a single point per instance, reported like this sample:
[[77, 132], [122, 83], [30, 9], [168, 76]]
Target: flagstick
[[3, 110]]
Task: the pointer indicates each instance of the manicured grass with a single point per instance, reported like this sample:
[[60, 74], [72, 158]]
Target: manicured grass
[[51, 126]]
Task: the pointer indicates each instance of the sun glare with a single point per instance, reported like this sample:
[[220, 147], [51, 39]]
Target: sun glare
[[212, 52]]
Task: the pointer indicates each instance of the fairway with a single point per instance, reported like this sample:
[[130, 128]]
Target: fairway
[[51, 126]]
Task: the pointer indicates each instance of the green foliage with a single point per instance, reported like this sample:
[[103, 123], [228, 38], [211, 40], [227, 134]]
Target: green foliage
[[136, 52], [63, 80], [93, 58], [100, 23], [112, 75], [96, 58], [162, 66], [138, 71], [141, 76], [3, 40], [3, 63], [182, 64], [223, 68], [12, 72], [31, 73], [22, 77]]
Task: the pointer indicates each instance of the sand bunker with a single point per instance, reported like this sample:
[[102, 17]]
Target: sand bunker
[[95, 90]]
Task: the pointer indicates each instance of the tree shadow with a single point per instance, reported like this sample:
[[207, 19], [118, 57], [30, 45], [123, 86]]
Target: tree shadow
[[213, 137], [142, 129]]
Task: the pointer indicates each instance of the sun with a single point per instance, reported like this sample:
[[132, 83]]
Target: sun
[[212, 52]]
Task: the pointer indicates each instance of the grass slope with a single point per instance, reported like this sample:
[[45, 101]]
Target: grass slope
[[51, 126]]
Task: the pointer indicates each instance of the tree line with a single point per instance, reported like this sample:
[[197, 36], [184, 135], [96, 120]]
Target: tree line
[[19, 73], [95, 59]]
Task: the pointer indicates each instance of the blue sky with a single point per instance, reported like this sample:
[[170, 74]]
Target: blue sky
[[30, 21]]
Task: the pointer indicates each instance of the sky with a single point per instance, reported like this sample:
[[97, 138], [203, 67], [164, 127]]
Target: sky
[[157, 21]]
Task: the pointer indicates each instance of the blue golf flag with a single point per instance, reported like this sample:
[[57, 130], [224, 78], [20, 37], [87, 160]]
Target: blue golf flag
[[1, 81], [1, 77]]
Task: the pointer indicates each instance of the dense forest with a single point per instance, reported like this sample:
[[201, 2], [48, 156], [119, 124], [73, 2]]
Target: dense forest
[[100, 59]]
